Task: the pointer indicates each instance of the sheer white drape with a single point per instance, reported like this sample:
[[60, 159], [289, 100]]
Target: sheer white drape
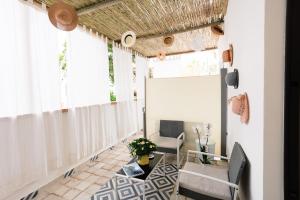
[[29, 70], [29, 85], [141, 73], [88, 72], [123, 74], [125, 108], [47, 142]]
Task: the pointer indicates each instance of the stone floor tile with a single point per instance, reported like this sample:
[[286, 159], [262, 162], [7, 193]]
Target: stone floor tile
[[82, 185], [71, 194], [112, 161], [72, 183], [61, 190], [102, 172], [116, 168], [102, 180], [92, 189], [110, 156], [83, 196], [54, 197], [52, 187], [42, 194], [92, 179], [83, 175], [107, 166], [92, 170], [99, 165]]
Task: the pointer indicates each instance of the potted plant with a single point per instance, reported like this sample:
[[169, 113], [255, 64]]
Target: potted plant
[[203, 148], [141, 148]]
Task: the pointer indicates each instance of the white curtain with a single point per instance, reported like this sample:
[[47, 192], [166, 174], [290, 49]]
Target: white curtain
[[123, 74], [29, 70], [29, 85], [109, 124], [37, 139], [125, 110], [88, 72], [141, 73]]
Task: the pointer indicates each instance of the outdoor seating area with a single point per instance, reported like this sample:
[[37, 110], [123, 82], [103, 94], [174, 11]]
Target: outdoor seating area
[[148, 100]]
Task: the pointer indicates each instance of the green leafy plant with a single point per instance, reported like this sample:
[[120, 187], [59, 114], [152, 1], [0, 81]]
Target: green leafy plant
[[62, 57], [141, 146], [203, 148], [112, 96]]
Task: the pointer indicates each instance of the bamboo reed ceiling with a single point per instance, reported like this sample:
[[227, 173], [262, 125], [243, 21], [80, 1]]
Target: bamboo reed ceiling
[[152, 19]]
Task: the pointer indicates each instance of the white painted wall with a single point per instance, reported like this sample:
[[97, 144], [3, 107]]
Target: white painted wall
[[191, 99], [256, 30]]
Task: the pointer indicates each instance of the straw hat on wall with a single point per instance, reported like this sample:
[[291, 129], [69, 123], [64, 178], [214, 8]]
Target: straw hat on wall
[[63, 16]]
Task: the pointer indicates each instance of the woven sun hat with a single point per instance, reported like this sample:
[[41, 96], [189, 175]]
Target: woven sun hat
[[168, 40], [128, 39], [240, 106], [63, 16]]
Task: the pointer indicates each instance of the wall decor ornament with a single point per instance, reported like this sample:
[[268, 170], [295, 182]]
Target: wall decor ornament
[[240, 106], [228, 55]]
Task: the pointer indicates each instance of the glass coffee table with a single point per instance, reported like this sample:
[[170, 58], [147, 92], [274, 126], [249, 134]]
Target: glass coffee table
[[149, 170]]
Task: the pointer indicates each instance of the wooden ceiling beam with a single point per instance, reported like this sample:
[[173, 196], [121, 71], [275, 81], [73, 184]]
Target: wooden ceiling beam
[[96, 6]]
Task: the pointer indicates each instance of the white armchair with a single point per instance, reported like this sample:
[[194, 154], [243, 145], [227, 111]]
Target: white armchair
[[170, 138], [199, 181]]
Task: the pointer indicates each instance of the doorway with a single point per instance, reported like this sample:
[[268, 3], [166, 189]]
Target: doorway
[[292, 103]]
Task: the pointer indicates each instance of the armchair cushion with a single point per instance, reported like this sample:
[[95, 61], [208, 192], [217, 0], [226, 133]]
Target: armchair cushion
[[170, 128], [166, 142], [203, 185]]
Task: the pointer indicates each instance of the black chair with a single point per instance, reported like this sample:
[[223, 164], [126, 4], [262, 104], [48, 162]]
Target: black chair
[[170, 138], [209, 182]]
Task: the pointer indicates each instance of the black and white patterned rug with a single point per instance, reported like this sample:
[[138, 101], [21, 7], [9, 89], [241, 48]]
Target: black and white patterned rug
[[157, 188]]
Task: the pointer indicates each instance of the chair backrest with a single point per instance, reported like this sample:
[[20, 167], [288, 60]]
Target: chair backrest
[[170, 128], [237, 164]]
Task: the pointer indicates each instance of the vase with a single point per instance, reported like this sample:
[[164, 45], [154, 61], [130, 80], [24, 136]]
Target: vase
[[143, 160]]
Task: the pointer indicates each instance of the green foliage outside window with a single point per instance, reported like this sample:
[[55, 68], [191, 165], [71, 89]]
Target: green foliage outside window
[[111, 73], [111, 66], [62, 57]]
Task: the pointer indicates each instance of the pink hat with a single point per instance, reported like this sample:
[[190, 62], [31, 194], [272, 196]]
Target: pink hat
[[240, 106]]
